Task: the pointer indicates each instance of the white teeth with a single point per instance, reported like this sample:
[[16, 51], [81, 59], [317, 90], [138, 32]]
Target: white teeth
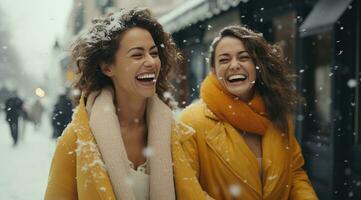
[[237, 76], [146, 76]]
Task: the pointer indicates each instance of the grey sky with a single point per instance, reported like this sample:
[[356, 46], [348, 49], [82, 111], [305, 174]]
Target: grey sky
[[34, 26]]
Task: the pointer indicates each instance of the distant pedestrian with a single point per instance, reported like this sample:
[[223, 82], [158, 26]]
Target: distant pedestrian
[[4, 95], [36, 113], [14, 109], [63, 110]]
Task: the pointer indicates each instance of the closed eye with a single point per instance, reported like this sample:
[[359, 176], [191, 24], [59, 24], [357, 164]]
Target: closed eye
[[137, 56], [244, 57], [154, 54], [223, 60]]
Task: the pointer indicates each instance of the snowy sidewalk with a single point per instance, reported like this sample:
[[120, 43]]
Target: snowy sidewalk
[[24, 169]]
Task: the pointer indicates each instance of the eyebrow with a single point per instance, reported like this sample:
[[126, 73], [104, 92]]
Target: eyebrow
[[227, 54], [141, 48]]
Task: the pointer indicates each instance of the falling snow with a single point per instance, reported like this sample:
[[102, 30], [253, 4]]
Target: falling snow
[[352, 83], [235, 190], [148, 152]]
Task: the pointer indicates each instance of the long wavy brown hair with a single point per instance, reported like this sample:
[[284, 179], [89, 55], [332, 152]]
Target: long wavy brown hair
[[274, 77], [101, 42]]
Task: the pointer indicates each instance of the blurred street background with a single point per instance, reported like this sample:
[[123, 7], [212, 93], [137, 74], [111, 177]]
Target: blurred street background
[[320, 40]]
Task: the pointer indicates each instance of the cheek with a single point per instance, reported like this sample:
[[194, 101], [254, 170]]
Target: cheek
[[158, 63], [125, 72], [252, 71], [219, 70], [254, 74]]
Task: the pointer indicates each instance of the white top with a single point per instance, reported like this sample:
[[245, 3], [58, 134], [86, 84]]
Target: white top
[[139, 181]]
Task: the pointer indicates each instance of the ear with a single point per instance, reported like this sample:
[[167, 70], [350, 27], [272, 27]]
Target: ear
[[107, 69]]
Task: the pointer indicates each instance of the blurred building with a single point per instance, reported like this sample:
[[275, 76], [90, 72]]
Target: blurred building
[[321, 40], [11, 66]]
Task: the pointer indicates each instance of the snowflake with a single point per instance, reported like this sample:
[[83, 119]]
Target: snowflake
[[235, 190], [167, 95], [352, 83], [148, 152], [272, 177]]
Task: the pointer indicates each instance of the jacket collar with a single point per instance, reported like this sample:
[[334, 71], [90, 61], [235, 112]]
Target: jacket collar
[[106, 130], [208, 113], [235, 154], [225, 141]]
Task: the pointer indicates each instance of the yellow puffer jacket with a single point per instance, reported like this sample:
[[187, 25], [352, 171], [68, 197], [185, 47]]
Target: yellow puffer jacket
[[216, 161]]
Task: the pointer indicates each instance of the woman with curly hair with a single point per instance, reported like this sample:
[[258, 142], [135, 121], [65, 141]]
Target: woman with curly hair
[[244, 145], [118, 145]]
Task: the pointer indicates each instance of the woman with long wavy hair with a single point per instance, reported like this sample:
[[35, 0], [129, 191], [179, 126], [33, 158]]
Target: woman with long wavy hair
[[244, 145], [118, 145]]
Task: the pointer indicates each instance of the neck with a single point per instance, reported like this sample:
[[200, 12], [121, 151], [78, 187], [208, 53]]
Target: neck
[[130, 110], [248, 96]]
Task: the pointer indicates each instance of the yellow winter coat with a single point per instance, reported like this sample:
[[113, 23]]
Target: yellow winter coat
[[78, 173], [217, 160]]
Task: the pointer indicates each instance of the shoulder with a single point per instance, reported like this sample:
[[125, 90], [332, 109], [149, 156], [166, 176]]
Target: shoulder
[[292, 140], [194, 112], [198, 117], [181, 129], [69, 136], [78, 126]]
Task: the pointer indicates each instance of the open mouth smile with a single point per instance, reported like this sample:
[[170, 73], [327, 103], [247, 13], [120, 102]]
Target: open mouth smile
[[146, 78], [237, 78]]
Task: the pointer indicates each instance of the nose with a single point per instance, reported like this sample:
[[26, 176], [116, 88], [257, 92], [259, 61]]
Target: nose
[[235, 65], [149, 61]]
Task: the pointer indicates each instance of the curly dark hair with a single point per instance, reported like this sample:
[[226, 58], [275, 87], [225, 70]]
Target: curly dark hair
[[274, 77], [100, 44]]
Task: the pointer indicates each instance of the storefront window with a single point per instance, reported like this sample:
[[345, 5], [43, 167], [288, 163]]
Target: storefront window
[[283, 28], [318, 74]]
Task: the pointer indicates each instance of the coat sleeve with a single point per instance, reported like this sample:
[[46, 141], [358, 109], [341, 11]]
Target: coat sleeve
[[62, 175], [185, 163], [301, 188]]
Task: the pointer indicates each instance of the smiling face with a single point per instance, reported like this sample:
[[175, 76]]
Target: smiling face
[[234, 68], [137, 64]]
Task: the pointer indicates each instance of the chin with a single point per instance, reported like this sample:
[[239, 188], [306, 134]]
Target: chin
[[147, 94], [241, 93], [236, 91]]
